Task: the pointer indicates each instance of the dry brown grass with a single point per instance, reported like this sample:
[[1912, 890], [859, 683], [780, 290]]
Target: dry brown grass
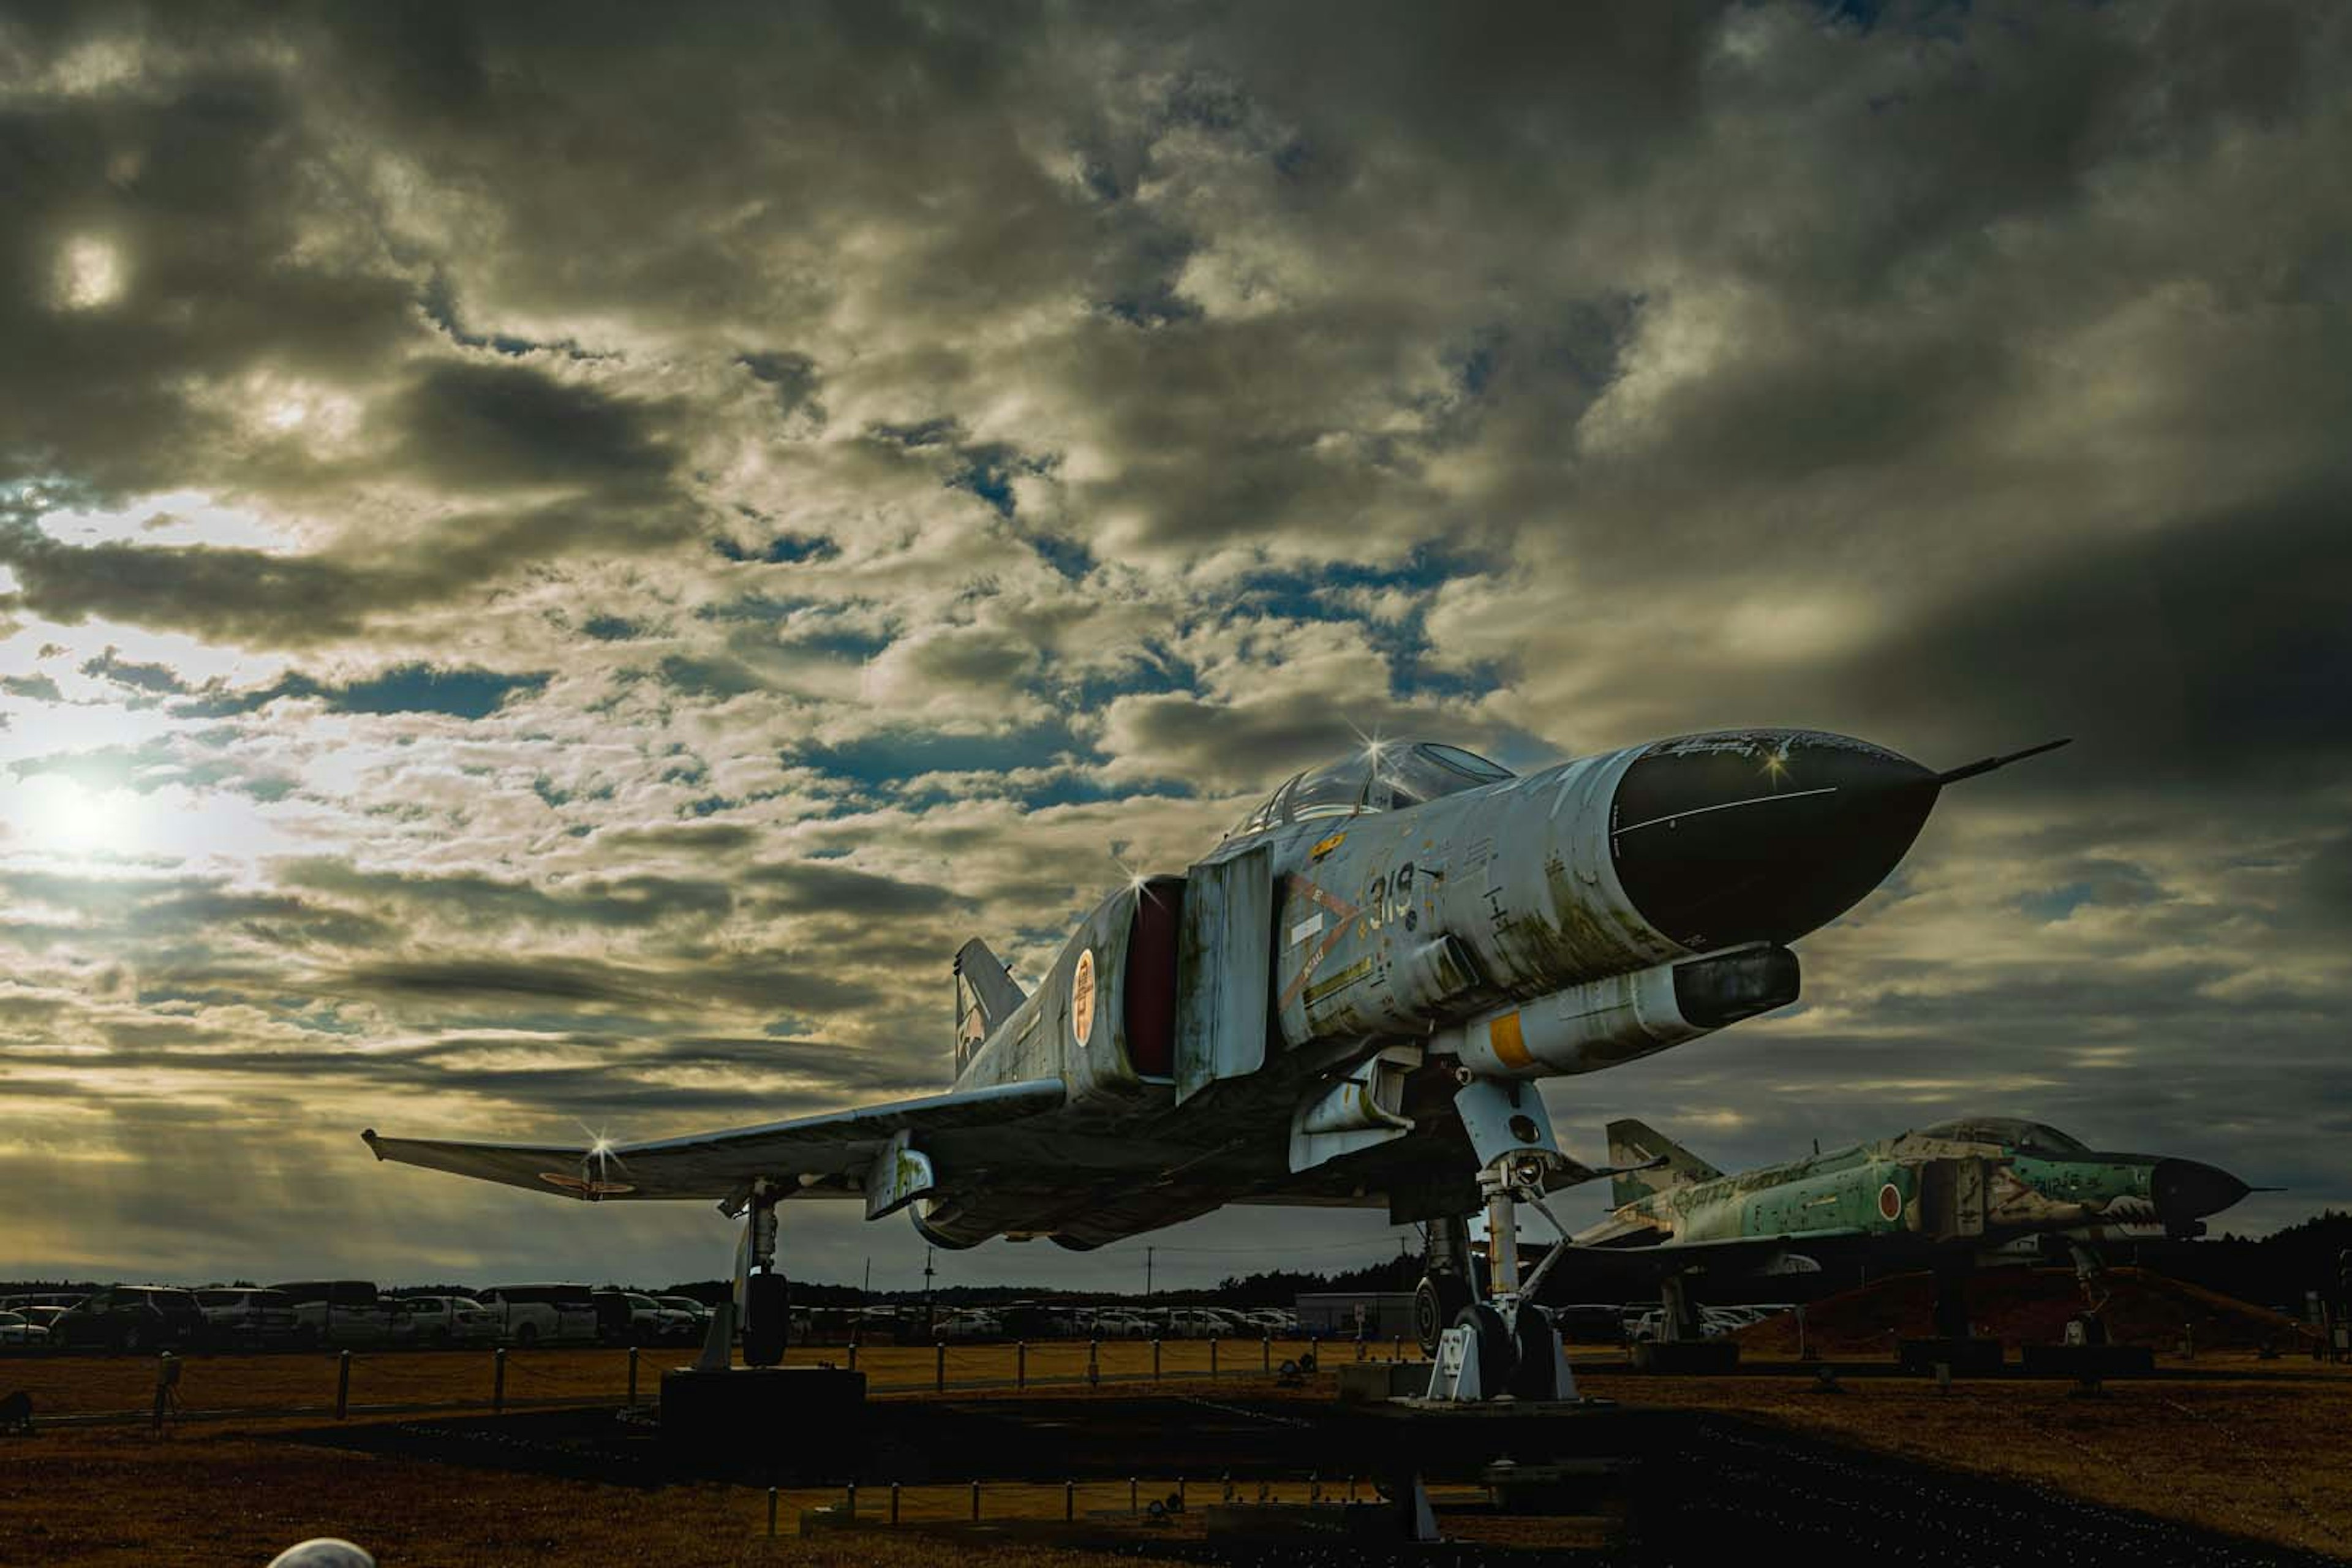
[[2269, 1458], [74, 1385]]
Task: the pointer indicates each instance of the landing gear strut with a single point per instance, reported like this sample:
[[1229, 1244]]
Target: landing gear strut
[[763, 1301], [1503, 1344]]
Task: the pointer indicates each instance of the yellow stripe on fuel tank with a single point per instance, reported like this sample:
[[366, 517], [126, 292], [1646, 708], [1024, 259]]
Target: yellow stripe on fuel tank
[[1503, 1038]]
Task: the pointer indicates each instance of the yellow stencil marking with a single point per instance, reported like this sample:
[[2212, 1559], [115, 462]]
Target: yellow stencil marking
[[1327, 847], [1503, 1037]]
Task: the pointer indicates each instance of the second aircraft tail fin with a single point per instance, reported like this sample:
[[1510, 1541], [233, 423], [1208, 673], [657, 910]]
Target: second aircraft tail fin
[[1633, 1142]]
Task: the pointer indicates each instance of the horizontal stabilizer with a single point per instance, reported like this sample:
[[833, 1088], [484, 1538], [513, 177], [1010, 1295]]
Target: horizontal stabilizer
[[1637, 1147]]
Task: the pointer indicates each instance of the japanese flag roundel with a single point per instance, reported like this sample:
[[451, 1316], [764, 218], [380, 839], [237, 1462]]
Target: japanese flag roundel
[[1890, 1202], [1082, 997]]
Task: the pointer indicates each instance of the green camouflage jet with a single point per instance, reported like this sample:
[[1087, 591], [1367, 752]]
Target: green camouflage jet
[[1950, 1195]]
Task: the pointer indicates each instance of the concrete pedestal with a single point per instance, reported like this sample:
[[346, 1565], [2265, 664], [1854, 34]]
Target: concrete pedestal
[[806, 1420]]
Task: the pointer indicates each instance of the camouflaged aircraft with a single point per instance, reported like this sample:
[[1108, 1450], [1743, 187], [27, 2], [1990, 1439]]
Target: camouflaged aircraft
[[1983, 1189], [1348, 1001]]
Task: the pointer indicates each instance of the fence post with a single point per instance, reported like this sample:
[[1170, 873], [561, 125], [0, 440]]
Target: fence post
[[853, 1355], [632, 1375], [1155, 1359], [894, 1503], [498, 1381], [1069, 1502], [975, 1503], [1315, 1349], [849, 1500], [1134, 1494], [1021, 1364], [1094, 1362], [1397, 1353], [1212, 1355], [1267, 1345], [771, 1512], [939, 1368], [343, 1383]]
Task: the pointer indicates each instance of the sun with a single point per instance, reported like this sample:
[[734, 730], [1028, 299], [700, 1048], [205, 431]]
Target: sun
[[61, 816]]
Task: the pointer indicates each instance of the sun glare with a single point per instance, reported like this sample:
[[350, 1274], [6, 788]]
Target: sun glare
[[59, 816], [89, 273]]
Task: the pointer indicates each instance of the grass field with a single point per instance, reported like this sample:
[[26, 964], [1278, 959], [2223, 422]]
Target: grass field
[[2258, 1449], [78, 1386]]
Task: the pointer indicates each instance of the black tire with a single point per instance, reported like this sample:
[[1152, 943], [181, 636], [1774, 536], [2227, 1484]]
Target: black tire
[[767, 1319], [1533, 1375], [1437, 1301], [134, 1338], [528, 1335], [1491, 1343]]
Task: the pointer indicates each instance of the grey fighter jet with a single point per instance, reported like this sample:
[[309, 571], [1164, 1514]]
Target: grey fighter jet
[[1347, 1002]]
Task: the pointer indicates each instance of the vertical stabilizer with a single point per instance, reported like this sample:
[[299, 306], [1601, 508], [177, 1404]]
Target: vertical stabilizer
[[985, 997], [1634, 1143]]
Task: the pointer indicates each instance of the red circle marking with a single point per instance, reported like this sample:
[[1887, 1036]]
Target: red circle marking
[[1890, 1202]]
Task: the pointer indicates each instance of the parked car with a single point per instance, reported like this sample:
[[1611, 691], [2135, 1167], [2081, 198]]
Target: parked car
[[238, 1316], [15, 1329], [542, 1314], [1108, 1325], [679, 1325], [28, 1300], [441, 1321], [1651, 1324], [131, 1318], [631, 1317], [337, 1312], [969, 1327], [1272, 1321], [698, 1315], [46, 1317], [1191, 1323]]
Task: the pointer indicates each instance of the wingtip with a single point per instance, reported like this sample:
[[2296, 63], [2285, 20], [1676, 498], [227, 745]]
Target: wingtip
[[367, 1136]]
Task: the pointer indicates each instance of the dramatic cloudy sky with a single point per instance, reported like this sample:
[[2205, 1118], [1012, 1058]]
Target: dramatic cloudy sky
[[556, 561]]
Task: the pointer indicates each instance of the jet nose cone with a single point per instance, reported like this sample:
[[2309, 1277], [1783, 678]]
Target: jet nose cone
[[1762, 835], [2184, 1190]]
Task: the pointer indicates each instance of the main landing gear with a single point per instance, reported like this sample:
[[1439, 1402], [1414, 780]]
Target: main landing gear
[[762, 1302]]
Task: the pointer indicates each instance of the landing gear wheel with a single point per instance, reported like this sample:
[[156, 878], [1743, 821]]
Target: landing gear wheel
[[767, 1319], [1532, 1373], [1437, 1301], [1490, 1343]]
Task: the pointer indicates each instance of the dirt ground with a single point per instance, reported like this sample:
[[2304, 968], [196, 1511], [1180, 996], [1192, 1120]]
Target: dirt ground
[[2254, 1447], [2258, 1449]]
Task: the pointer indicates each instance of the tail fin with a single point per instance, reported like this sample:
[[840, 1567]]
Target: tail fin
[[1634, 1143], [985, 997]]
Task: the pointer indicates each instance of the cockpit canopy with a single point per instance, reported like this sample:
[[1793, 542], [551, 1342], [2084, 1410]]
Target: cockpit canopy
[[2035, 1137], [1385, 777]]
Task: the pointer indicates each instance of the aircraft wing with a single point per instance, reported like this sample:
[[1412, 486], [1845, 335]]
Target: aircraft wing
[[807, 1150]]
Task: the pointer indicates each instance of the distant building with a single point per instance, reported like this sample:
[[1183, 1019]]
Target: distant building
[[1341, 1314]]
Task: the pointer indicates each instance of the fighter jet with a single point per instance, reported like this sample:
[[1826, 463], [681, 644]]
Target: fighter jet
[[1347, 1001], [1979, 1189]]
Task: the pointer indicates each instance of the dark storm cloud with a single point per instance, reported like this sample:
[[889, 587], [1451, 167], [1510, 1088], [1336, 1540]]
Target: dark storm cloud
[[812, 886], [481, 901], [491, 426], [2214, 653]]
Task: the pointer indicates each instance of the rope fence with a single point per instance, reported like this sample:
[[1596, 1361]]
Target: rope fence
[[344, 1381]]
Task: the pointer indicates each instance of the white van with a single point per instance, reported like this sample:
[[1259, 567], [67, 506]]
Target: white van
[[542, 1314]]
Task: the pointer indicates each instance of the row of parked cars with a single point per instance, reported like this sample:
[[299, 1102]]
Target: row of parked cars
[[343, 1313], [979, 1325]]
